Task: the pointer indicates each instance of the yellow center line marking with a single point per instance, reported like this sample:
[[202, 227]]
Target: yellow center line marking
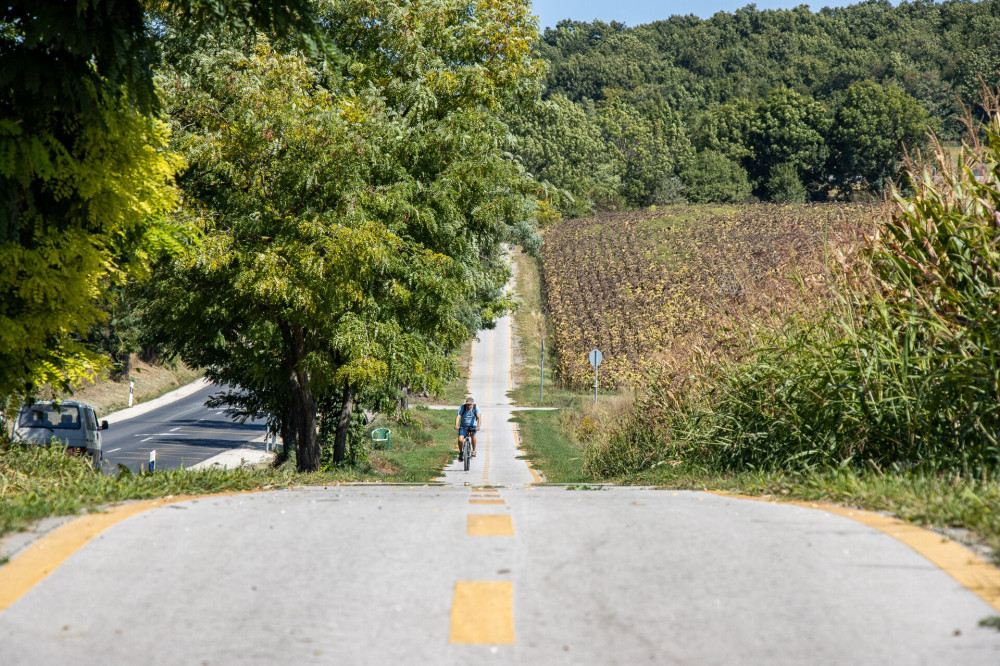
[[486, 501], [44, 556], [972, 572], [489, 524], [482, 613]]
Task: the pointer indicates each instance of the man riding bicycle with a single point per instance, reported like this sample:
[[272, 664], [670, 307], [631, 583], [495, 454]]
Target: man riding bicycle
[[467, 422]]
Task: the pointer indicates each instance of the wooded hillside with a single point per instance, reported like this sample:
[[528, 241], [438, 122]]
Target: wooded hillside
[[784, 105]]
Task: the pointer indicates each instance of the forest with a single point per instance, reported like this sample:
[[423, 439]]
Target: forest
[[770, 105]]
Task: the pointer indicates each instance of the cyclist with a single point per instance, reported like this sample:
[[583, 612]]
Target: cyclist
[[467, 421]]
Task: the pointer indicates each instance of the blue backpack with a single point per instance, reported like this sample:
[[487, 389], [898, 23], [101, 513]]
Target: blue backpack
[[469, 416]]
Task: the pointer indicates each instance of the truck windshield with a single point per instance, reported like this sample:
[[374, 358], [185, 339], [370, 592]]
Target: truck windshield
[[49, 416]]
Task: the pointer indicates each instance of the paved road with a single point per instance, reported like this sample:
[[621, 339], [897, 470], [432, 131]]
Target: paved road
[[183, 432], [496, 571]]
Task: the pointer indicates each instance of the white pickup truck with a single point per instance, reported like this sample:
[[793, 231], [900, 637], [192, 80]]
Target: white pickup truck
[[70, 423]]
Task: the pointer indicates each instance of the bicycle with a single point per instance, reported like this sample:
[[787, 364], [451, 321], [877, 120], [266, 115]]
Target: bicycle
[[467, 450]]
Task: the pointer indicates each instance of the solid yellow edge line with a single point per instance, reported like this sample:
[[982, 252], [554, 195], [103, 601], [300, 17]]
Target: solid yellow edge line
[[482, 613], [531, 468], [41, 558], [971, 571]]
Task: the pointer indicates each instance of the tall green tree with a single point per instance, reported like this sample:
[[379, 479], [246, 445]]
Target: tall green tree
[[559, 143], [872, 129], [713, 177], [86, 177], [649, 151], [726, 128], [789, 131], [354, 224]]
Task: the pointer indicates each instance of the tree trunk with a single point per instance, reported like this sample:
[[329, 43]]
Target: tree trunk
[[404, 401], [287, 432], [302, 406], [302, 417], [343, 424], [123, 366]]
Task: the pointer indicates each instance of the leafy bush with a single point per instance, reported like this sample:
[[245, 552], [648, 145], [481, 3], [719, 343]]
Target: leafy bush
[[713, 177], [783, 185]]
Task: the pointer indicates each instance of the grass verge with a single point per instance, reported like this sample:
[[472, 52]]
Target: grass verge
[[550, 450], [151, 381], [420, 447], [38, 482], [963, 509]]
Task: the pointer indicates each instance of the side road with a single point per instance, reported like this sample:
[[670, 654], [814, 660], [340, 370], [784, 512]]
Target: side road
[[156, 403]]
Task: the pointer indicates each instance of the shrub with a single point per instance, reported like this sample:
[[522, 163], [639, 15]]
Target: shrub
[[783, 185], [712, 177]]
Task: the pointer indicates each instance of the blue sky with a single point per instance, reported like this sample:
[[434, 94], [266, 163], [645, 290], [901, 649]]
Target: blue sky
[[634, 12]]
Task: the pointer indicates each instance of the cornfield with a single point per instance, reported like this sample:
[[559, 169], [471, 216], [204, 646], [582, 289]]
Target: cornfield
[[651, 289]]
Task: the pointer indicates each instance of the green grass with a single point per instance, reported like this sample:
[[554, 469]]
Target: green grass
[[38, 482], [420, 448], [548, 447], [930, 500]]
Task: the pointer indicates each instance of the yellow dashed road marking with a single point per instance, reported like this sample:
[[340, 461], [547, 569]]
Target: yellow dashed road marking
[[482, 613], [490, 524], [486, 501]]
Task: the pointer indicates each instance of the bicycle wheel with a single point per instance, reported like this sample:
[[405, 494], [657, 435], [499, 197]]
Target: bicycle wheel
[[467, 453]]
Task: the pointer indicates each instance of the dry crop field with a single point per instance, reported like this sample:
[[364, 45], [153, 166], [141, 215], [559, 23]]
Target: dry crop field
[[653, 288]]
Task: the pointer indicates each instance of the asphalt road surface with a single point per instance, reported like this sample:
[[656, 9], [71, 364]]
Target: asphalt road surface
[[185, 433], [489, 567]]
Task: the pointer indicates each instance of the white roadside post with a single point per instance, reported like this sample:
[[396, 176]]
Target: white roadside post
[[152, 460], [131, 390], [595, 360], [541, 374]]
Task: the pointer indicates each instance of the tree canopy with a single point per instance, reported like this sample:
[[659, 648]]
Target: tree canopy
[[86, 176], [768, 90], [353, 221]]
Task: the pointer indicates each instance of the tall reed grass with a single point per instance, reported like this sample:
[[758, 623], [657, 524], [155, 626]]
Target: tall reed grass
[[902, 371]]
